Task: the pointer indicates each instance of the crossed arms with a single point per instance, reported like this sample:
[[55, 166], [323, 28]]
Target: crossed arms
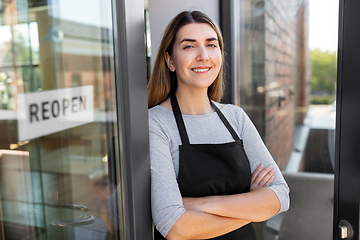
[[212, 216]]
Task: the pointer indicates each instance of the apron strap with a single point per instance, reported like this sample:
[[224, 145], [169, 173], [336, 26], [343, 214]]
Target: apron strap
[[226, 122], [179, 120], [181, 126]]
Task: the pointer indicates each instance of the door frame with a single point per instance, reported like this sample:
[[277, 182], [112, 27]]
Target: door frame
[[347, 166], [133, 130]]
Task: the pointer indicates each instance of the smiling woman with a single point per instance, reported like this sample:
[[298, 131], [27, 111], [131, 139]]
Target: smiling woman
[[163, 81], [196, 57], [211, 174]]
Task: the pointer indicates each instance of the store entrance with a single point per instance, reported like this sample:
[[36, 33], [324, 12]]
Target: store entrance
[[58, 120]]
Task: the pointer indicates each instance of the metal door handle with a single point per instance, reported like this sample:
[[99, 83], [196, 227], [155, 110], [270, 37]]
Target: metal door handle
[[345, 230], [76, 207], [81, 219]]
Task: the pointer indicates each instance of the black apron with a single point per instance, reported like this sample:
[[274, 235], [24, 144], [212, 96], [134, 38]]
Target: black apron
[[213, 169]]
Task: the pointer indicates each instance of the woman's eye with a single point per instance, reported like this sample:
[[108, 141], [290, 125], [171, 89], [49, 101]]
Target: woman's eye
[[188, 47], [212, 45]]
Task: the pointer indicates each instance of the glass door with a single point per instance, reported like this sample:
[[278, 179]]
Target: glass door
[[58, 121], [282, 67]]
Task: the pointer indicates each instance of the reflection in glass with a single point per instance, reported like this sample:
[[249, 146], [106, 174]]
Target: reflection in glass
[[21, 43], [34, 42], [57, 186], [5, 45], [282, 78]]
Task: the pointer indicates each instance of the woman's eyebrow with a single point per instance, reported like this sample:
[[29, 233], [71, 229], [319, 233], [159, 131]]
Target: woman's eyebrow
[[211, 39], [188, 40], [193, 40]]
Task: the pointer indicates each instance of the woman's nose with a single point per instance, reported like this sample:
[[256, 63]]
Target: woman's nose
[[202, 54]]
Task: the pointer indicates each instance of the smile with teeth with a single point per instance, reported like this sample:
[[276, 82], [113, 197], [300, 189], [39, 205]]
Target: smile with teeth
[[200, 69]]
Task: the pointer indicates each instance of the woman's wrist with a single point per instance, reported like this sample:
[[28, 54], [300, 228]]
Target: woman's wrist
[[210, 204], [202, 204]]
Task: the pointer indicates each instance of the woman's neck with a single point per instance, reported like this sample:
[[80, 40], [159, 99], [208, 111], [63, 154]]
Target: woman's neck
[[194, 103]]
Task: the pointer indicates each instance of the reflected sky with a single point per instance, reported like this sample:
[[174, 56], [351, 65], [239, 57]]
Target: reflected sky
[[5, 35], [90, 12], [323, 24]]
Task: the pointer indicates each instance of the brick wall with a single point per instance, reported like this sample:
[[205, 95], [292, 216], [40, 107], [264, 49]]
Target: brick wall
[[273, 91]]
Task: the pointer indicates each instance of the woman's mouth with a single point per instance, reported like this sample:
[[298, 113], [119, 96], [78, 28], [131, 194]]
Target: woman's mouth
[[200, 70]]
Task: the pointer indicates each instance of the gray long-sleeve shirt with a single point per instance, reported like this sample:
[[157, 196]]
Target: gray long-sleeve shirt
[[166, 200]]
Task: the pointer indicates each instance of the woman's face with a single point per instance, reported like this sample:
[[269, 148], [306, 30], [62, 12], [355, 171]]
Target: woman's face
[[196, 56]]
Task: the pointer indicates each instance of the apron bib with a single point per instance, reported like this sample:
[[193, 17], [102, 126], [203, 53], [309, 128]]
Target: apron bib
[[213, 169]]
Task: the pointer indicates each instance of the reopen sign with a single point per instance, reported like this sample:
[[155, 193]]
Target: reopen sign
[[46, 112]]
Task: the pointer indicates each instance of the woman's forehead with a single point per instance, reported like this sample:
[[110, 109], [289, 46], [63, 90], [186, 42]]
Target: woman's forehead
[[196, 31]]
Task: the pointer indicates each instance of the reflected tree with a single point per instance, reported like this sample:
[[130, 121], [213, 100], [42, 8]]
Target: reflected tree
[[323, 76]]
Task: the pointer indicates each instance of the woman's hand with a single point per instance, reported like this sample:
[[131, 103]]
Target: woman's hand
[[262, 177]]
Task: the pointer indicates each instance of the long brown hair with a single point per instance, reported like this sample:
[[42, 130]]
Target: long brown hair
[[163, 82]]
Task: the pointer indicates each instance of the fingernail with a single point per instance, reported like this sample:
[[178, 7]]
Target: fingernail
[[269, 167]]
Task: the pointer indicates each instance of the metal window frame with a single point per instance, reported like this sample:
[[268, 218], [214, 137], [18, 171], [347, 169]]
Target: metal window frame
[[133, 131], [231, 20], [346, 182], [338, 121]]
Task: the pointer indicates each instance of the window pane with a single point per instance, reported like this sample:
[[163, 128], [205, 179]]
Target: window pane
[[34, 42], [288, 90], [58, 119], [21, 43], [6, 45]]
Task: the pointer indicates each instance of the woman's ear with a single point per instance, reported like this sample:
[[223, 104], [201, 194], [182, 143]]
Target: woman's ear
[[169, 62]]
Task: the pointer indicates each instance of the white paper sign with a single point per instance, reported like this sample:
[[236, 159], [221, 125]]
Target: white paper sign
[[46, 112]]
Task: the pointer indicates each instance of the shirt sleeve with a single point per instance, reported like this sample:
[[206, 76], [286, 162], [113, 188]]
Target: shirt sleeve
[[166, 200], [258, 154]]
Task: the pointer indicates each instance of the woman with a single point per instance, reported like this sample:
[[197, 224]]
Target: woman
[[211, 174]]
